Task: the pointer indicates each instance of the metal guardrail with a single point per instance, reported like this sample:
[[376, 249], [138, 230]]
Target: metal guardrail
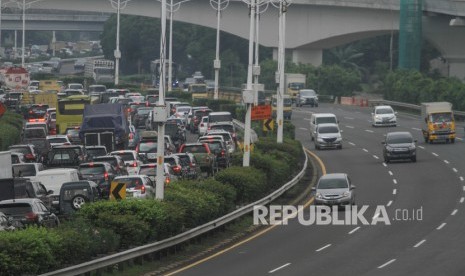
[[140, 251], [253, 134], [408, 106]]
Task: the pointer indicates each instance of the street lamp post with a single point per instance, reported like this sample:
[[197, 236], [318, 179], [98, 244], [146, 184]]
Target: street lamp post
[[262, 6], [118, 5], [283, 4], [24, 5], [220, 6], [248, 93]]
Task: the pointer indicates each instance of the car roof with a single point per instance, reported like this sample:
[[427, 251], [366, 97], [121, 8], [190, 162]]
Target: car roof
[[95, 147], [383, 106], [80, 182], [399, 133], [328, 125], [334, 176], [122, 151], [56, 136], [323, 115], [220, 113], [131, 176], [55, 171]]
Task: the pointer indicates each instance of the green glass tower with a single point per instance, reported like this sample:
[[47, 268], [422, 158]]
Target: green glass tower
[[410, 34]]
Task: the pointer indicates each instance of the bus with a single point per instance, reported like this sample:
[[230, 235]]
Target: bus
[[155, 70], [198, 91], [69, 112]]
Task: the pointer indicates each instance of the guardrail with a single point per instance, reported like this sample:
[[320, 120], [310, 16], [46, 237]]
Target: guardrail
[[253, 134], [460, 114], [160, 245], [140, 251]]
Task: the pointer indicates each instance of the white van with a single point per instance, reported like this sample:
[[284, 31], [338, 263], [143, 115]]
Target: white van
[[53, 179], [321, 118]]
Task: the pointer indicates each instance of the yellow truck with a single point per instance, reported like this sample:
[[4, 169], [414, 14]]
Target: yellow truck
[[198, 91], [438, 122], [48, 98], [50, 85]]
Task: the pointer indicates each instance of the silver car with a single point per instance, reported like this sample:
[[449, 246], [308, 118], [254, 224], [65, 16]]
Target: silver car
[[328, 136], [334, 189]]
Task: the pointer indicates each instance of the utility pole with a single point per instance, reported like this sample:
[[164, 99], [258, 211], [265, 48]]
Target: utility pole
[[220, 6], [118, 5]]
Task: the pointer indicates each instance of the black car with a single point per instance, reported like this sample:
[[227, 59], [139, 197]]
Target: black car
[[95, 151], [116, 161], [59, 157], [102, 173], [73, 135], [141, 116], [399, 146], [77, 193], [29, 211]]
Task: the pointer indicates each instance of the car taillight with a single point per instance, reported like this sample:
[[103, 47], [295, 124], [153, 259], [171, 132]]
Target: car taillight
[[142, 189], [167, 180], [134, 164], [29, 156], [137, 149], [177, 169], [105, 175], [201, 125], [31, 216], [192, 165], [222, 153]]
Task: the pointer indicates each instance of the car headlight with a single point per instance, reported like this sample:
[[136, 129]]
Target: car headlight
[[319, 139], [319, 196], [346, 194], [338, 139], [377, 117], [388, 148]]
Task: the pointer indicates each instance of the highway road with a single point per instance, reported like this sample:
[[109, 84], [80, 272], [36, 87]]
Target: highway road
[[428, 245]]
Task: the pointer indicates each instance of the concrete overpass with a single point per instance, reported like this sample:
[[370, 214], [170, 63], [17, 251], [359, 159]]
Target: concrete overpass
[[312, 25]]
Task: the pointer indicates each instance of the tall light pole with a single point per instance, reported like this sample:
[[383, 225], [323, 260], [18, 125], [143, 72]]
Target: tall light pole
[[118, 5], [160, 178], [248, 96], [218, 5], [262, 6], [24, 5], [283, 4]]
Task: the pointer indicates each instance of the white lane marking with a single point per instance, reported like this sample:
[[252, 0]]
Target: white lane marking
[[394, 191], [435, 154], [387, 263], [349, 127], [460, 139], [395, 181], [307, 119], [462, 199], [348, 118], [390, 173], [278, 268], [441, 226], [454, 212], [323, 248], [376, 157], [464, 188], [421, 147], [455, 170], [445, 161], [419, 243], [365, 150], [461, 178], [352, 144], [384, 164], [302, 128], [353, 230], [389, 203], [415, 128], [369, 130]]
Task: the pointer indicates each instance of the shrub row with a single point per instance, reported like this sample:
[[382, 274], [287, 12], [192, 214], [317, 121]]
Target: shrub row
[[107, 226], [10, 126]]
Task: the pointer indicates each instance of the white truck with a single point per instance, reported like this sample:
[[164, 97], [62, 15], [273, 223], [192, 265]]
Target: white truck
[[101, 70], [6, 170], [437, 122], [294, 82]]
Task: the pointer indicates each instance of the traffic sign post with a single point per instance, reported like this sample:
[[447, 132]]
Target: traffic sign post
[[117, 191], [268, 125], [261, 112]]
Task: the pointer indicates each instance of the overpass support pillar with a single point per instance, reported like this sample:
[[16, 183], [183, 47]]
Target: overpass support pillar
[[456, 67]]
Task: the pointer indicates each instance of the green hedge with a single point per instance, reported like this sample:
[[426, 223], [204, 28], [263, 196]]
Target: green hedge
[[10, 126]]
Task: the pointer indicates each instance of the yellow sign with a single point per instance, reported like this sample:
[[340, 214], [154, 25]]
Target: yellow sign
[[268, 125], [117, 191]]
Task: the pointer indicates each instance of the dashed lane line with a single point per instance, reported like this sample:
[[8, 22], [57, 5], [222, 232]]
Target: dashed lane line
[[323, 248], [419, 243], [278, 268], [387, 263]]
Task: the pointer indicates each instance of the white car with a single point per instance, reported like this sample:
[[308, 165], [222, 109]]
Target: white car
[[203, 125], [137, 186], [384, 115], [227, 137], [58, 140], [131, 160], [150, 170]]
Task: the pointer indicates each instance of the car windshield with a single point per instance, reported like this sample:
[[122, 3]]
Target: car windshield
[[95, 169], [326, 120], [149, 171], [307, 93], [110, 160], [148, 147], [144, 111], [214, 146], [333, 183], [328, 129], [15, 208], [194, 149], [228, 128], [96, 151], [34, 133], [20, 150], [57, 140], [130, 182], [72, 132], [399, 139], [384, 111], [24, 170], [127, 156], [441, 117], [183, 109], [171, 161]]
